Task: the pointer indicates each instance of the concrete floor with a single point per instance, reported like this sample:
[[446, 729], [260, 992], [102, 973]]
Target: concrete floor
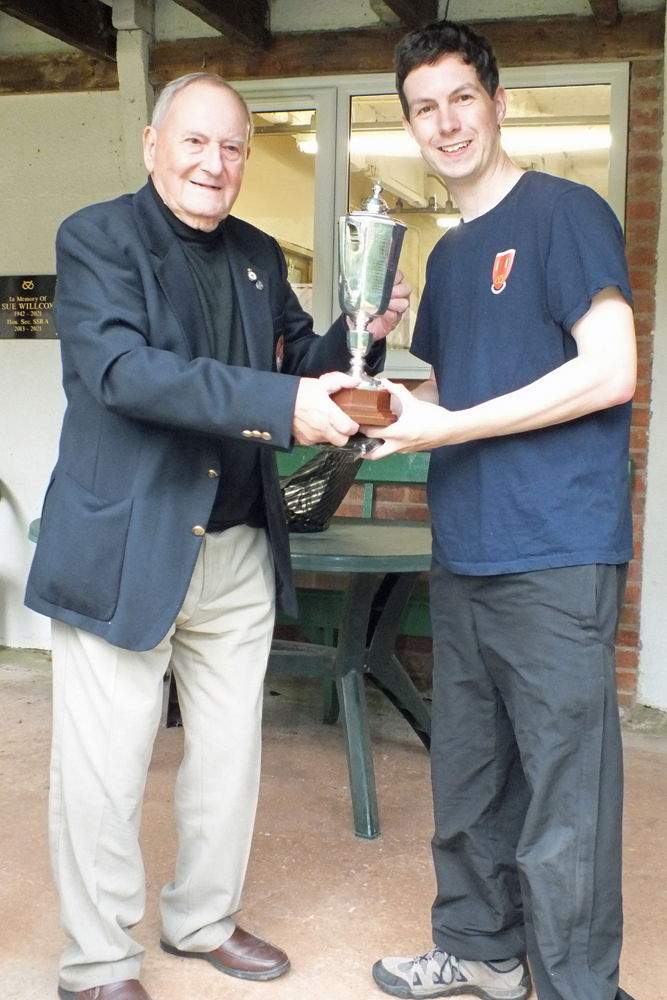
[[334, 902]]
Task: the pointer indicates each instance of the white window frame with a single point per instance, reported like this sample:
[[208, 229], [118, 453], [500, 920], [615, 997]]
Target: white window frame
[[331, 99]]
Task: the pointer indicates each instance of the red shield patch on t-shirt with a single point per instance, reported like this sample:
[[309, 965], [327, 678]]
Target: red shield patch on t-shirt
[[501, 270]]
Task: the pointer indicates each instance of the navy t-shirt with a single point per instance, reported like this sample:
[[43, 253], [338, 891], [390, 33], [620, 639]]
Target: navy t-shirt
[[502, 294]]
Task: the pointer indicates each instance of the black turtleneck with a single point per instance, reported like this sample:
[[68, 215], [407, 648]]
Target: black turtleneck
[[239, 499]]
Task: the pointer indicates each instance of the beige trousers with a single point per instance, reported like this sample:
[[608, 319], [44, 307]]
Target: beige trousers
[[107, 707]]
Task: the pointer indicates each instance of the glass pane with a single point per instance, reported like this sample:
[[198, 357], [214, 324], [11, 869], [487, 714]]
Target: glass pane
[[278, 193], [380, 149], [560, 130]]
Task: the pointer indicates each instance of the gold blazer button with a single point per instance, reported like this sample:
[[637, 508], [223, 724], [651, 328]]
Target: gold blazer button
[[198, 530]]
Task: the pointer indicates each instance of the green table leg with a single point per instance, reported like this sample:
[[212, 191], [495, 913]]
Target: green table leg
[[383, 666], [350, 656], [330, 702]]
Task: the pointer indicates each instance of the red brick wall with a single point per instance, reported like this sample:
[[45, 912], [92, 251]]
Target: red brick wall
[[395, 503], [642, 215]]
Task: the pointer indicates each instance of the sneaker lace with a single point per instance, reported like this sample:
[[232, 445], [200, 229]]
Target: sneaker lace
[[448, 965]]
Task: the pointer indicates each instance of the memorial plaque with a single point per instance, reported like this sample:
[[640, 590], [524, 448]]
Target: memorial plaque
[[26, 305]]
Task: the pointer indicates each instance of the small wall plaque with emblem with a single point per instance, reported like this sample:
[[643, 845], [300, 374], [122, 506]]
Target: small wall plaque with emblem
[[26, 304]]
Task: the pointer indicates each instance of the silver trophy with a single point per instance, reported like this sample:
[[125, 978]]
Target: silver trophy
[[369, 246]]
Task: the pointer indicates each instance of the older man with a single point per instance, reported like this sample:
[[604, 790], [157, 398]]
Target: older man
[[163, 537]]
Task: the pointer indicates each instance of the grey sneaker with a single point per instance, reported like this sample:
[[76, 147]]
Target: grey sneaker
[[439, 974]]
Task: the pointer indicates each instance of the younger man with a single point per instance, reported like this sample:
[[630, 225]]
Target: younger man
[[526, 320]]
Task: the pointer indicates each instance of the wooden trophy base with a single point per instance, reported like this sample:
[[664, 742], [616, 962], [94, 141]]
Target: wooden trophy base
[[366, 406]]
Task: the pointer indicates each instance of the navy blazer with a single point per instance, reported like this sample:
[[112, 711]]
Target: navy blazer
[[148, 409]]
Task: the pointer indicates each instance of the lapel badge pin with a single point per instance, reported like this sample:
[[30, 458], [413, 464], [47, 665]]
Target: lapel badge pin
[[259, 285]]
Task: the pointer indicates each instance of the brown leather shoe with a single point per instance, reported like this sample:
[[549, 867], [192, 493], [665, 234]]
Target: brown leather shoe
[[127, 989], [243, 955]]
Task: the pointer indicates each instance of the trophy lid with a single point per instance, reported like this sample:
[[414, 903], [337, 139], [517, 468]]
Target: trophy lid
[[375, 204]]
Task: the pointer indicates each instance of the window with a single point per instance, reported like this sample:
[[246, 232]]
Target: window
[[322, 143], [278, 192]]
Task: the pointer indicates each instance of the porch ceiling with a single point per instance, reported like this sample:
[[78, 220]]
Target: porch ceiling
[[86, 24], [243, 39]]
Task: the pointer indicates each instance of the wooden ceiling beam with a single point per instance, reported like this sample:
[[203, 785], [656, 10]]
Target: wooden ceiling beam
[[56, 73], [414, 13], [242, 22], [521, 42], [605, 11], [528, 42], [85, 24]]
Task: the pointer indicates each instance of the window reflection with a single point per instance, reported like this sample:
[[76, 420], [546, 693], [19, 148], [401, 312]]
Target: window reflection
[[278, 192], [561, 130]]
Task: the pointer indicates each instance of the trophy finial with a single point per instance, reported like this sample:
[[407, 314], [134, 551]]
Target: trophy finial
[[376, 204]]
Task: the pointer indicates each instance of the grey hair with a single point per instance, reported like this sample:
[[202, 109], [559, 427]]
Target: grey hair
[[167, 95]]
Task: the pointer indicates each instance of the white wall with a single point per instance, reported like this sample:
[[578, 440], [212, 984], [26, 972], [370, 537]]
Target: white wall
[[17, 38], [173, 22], [31, 407], [295, 15], [59, 153]]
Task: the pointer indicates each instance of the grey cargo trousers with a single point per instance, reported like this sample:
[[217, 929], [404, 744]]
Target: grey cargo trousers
[[527, 773]]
